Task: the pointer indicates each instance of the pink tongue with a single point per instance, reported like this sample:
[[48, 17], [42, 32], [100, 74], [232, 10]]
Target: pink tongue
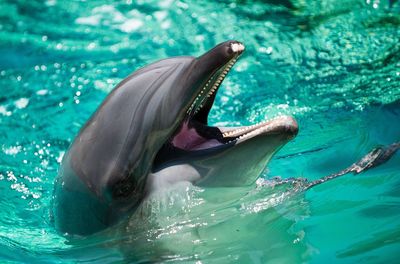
[[188, 139]]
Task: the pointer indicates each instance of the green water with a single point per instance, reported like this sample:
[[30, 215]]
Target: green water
[[334, 65]]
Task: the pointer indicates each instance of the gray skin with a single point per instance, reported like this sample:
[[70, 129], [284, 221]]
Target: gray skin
[[151, 132]]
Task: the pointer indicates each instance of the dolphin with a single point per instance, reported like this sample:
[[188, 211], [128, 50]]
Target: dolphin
[[151, 132]]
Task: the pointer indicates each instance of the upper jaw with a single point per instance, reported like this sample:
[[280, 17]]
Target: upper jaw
[[213, 67], [229, 52]]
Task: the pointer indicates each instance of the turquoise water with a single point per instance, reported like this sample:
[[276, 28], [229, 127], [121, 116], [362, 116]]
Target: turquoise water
[[334, 65]]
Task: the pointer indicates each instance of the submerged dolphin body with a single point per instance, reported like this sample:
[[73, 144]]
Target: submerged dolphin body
[[151, 132]]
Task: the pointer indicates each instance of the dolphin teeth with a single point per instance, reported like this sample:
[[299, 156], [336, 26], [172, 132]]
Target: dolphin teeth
[[236, 47], [245, 132]]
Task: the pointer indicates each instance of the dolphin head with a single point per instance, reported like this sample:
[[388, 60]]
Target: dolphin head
[[152, 123], [218, 156]]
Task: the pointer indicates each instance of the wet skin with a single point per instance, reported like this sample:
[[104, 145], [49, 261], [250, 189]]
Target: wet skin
[[151, 132]]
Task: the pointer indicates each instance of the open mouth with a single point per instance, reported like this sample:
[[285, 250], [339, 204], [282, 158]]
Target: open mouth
[[194, 134]]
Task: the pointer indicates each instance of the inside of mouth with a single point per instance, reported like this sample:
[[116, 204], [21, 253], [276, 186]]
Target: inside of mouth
[[194, 133]]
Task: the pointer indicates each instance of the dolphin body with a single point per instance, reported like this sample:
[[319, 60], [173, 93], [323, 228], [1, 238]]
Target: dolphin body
[[151, 132]]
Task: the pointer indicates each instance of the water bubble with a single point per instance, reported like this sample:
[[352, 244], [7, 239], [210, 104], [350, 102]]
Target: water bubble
[[60, 156], [166, 24], [91, 46], [42, 92], [12, 150], [131, 25], [182, 5], [3, 111], [21, 103], [51, 2], [160, 15], [199, 37], [263, 50]]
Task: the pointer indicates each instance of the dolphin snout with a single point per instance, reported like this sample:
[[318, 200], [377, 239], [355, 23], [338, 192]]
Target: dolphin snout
[[291, 127], [235, 47]]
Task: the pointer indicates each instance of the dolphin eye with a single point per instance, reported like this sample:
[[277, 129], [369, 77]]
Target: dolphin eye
[[123, 189]]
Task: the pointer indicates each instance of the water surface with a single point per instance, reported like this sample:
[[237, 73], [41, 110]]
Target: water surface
[[333, 65]]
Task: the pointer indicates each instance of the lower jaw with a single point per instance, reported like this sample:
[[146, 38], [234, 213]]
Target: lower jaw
[[192, 137]]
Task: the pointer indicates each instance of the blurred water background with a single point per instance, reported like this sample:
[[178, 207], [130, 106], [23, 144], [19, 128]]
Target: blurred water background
[[334, 65]]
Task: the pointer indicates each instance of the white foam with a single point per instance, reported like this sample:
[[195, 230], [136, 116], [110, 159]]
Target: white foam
[[90, 20], [42, 92], [13, 150], [21, 103], [131, 25], [3, 111], [160, 15]]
